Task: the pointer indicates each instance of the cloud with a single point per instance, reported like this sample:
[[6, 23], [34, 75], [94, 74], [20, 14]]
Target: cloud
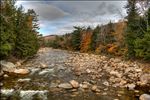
[[60, 16], [45, 11]]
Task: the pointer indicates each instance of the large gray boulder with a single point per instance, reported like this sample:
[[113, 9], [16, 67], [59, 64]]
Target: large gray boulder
[[145, 97], [65, 86], [7, 66], [145, 79]]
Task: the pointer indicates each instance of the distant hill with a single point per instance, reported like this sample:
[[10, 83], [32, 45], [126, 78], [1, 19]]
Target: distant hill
[[49, 38]]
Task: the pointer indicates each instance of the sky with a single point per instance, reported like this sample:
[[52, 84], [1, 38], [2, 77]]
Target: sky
[[59, 17]]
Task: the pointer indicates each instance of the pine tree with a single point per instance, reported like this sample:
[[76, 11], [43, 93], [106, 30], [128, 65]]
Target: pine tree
[[7, 36], [132, 31], [76, 38], [142, 44]]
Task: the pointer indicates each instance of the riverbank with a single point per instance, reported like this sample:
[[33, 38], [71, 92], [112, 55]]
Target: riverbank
[[73, 75]]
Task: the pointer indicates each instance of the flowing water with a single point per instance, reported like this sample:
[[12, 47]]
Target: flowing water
[[41, 83]]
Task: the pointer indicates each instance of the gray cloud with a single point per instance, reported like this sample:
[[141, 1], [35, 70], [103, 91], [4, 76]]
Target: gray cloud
[[63, 15]]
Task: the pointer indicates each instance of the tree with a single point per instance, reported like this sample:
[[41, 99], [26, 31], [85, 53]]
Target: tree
[[76, 38], [19, 36], [85, 44], [94, 38], [132, 31], [142, 44], [7, 36]]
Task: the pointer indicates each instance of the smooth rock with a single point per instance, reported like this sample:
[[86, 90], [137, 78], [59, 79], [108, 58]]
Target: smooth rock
[[46, 71], [24, 80], [34, 70], [88, 71], [1, 73], [145, 97], [115, 73], [74, 84], [6, 76], [84, 86], [95, 88], [131, 86], [145, 79], [18, 64], [43, 65], [106, 83], [65, 86], [7, 66], [21, 71]]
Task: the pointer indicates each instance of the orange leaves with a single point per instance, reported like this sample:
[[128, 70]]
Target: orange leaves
[[86, 41], [112, 48]]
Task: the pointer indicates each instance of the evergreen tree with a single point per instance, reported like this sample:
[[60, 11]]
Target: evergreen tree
[[76, 38], [132, 31], [142, 44], [7, 36]]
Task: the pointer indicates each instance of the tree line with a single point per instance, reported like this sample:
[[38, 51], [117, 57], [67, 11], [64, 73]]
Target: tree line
[[19, 36], [129, 38]]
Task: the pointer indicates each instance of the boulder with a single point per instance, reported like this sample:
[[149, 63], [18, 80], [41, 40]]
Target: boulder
[[145, 97], [21, 71], [65, 86], [74, 84], [7, 66], [145, 79]]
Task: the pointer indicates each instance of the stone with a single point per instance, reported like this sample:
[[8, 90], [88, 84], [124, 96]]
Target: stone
[[24, 80], [43, 65], [84, 86], [46, 71], [115, 73], [53, 85], [145, 97], [131, 86], [21, 71], [88, 71], [65, 86], [18, 64], [106, 83], [34, 70], [7, 92], [1, 73], [33, 95], [95, 88], [6, 76], [74, 84], [7, 66], [145, 79]]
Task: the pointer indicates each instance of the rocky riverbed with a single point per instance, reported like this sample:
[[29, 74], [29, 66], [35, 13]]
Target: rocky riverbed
[[64, 75]]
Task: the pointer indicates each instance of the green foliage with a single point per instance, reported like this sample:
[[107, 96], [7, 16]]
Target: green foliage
[[132, 27], [19, 36], [142, 44], [94, 38], [76, 38]]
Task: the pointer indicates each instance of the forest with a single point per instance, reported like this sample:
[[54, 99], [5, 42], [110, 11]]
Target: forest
[[129, 38], [19, 36]]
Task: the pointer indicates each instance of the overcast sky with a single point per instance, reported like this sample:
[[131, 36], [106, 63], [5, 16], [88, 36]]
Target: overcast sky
[[59, 17]]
